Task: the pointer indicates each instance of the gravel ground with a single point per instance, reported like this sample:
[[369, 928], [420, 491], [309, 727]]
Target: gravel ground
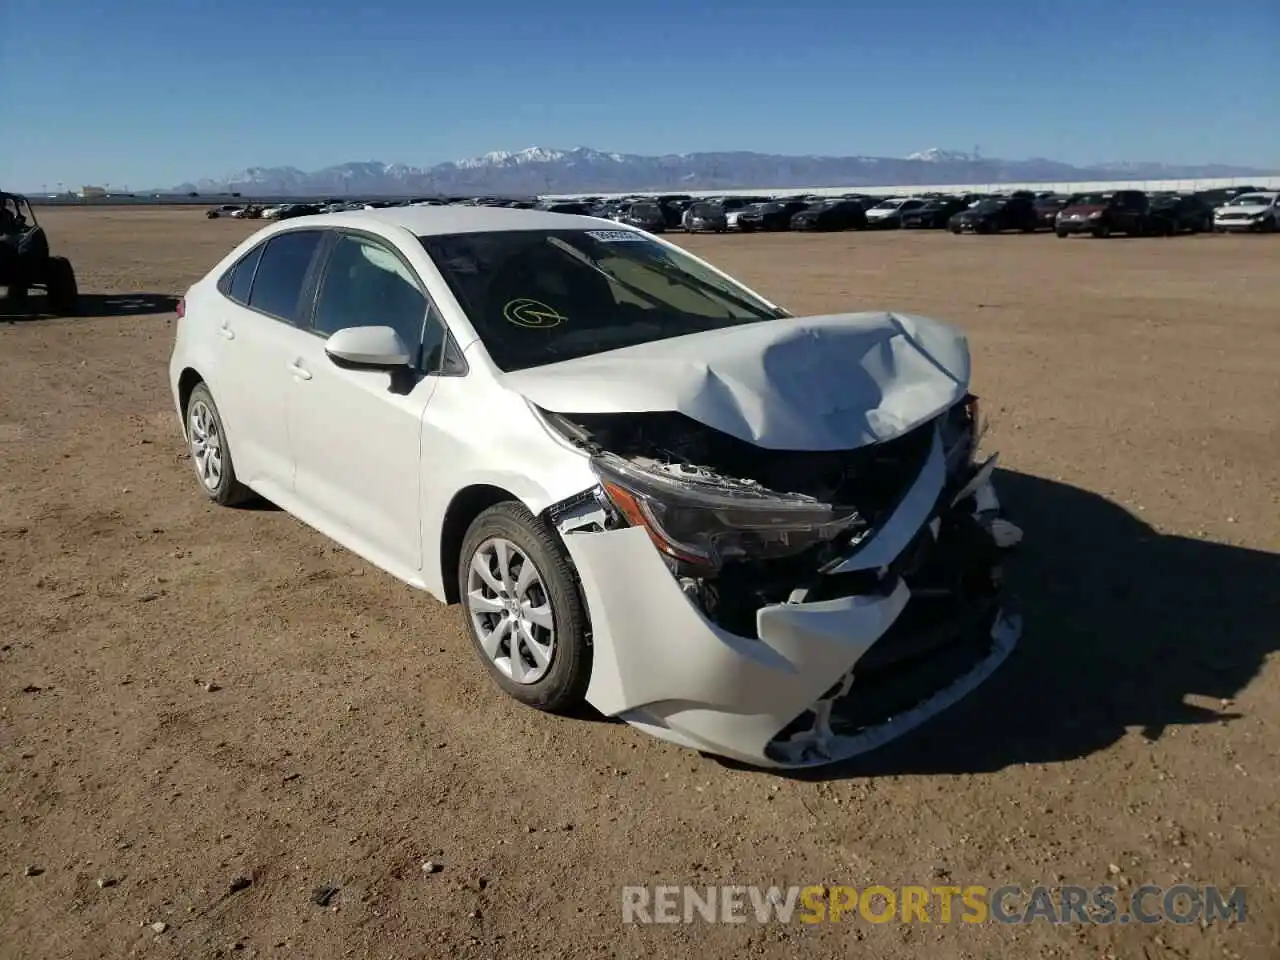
[[212, 719]]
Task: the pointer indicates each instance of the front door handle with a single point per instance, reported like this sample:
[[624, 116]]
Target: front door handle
[[299, 371], [226, 332]]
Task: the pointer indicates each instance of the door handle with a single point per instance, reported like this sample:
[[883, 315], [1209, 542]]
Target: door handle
[[299, 371], [226, 332]]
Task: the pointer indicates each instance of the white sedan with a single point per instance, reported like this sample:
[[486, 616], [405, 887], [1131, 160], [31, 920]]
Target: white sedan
[[1249, 212], [650, 488]]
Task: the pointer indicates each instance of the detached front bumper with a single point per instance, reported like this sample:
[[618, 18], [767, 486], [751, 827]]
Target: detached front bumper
[[826, 679]]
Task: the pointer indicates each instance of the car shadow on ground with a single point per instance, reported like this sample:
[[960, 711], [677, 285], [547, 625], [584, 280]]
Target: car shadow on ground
[[1124, 628], [92, 306]]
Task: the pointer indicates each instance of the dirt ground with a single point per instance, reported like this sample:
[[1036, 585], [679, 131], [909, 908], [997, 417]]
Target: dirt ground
[[190, 695]]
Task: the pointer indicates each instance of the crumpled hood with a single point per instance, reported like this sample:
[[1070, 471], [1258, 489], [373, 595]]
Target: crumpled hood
[[809, 383]]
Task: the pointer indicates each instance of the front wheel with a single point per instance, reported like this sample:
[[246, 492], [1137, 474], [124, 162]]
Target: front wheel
[[211, 452], [61, 288], [523, 608], [1103, 231]]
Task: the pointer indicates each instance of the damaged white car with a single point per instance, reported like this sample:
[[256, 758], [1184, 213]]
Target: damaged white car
[[753, 534]]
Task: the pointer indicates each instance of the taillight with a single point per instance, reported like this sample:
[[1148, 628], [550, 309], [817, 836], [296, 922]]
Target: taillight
[[181, 309]]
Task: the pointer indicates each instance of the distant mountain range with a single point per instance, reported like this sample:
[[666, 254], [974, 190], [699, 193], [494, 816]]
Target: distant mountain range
[[539, 170]]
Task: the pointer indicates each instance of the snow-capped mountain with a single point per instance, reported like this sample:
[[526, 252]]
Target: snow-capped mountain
[[938, 155], [535, 170]]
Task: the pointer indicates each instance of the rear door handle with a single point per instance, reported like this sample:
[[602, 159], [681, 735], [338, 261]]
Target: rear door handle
[[226, 332], [299, 371]]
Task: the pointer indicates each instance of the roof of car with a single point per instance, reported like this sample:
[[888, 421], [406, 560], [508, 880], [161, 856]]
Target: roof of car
[[430, 221]]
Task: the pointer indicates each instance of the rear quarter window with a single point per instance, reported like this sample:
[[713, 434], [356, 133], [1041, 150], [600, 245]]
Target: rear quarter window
[[238, 281]]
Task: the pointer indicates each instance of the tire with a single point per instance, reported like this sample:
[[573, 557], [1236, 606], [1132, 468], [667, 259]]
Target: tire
[[217, 477], [1102, 232], [1062, 234], [1268, 226], [61, 288], [553, 666]]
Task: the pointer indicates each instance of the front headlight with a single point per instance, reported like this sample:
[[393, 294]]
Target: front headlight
[[704, 523], [1095, 215]]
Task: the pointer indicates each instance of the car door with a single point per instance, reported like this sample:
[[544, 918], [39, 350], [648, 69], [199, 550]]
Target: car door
[[357, 432], [1133, 212], [256, 329]]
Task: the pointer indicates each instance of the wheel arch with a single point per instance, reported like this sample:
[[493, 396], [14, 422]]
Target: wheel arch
[[188, 380], [467, 504]]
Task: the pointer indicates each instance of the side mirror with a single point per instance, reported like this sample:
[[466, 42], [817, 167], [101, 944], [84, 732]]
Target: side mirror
[[368, 347]]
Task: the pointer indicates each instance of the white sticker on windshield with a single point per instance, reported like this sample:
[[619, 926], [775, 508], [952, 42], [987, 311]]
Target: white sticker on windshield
[[616, 236]]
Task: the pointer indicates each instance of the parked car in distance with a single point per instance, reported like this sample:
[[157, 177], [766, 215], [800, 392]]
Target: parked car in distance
[[1181, 213], [704, 216], [1102, 214], [1249, 212], [1047, 208], [646, 215], [648, 488], [770, 217], [887, 214], [831, 214], [995, 215], [576, 209], [933, 214]]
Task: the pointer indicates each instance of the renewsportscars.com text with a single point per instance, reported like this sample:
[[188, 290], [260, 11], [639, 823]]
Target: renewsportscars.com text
[[1009, 904]]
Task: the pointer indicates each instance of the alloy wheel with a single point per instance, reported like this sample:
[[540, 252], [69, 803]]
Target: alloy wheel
[[511, 611], [206, 445]]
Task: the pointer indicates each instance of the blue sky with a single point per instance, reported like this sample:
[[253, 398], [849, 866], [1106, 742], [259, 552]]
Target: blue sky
[[153, 92]]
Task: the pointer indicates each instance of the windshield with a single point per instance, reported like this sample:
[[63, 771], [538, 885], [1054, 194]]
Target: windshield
[[1250, 200], [645, 210], [1091, 200], [541, 296], [888, 205], [990, 204], [705, 210]]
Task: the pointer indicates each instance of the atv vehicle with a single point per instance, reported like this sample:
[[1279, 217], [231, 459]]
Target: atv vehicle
[[25, 261]]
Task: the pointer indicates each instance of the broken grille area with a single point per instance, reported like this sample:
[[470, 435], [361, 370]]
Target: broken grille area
[[871, 478], [890, 689]]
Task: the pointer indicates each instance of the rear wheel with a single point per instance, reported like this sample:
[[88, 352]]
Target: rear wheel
[[210, 451], [61, 287], [523, 608]]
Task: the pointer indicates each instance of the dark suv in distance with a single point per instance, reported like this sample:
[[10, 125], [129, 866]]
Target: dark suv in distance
[[934, 215], [646, 215], [995, 215], [772, 216], [1102, 214], [1181, 213], [833, 214]]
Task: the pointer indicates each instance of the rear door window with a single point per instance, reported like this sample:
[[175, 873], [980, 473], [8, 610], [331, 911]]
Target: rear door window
[[282, 273]]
